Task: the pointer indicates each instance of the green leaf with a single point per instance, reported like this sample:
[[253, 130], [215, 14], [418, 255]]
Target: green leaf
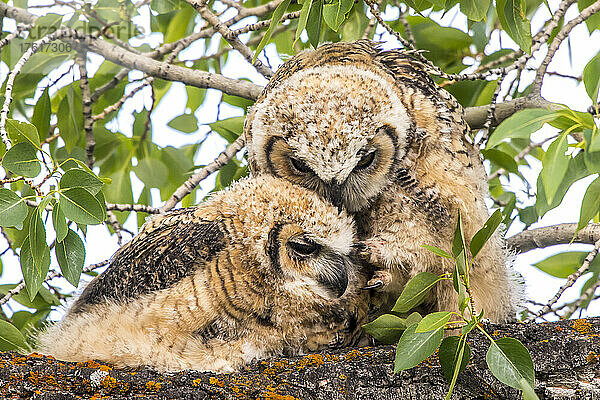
[[40, 252], [387, 328], [590, 205], [458, 242], [229, 129], [277, 14], [475, 10], [575, 171], [70, 254], [513, 19], [450, 353], [166, 6], [45, 25], [528, 392], [22, 160], [591, 78], [81, 206], [510, 362], [433, 321], [33, 273], [11, 338], [334, 13], [483, 235], [501, 159], [186, 123], [152, 171], [415, 291], [59, 222], [437, 250], [304, 12], [593, 22], [315, 20], [81, 178], [555, 164], [23, 132], [195, 97], [70, 118], [562, 265], [520, 125], [41, 115], [13, 210], [237, 101], [415, 347]]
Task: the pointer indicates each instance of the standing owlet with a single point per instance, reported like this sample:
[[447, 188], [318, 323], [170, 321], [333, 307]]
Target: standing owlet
[[262, 269], [369, 130]]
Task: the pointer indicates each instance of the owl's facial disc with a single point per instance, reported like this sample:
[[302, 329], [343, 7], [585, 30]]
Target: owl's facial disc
[[308, 264], [367, 175], [337, 130]]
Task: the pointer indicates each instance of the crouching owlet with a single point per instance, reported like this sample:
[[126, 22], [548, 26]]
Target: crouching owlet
[[370, 131], [265, 268]]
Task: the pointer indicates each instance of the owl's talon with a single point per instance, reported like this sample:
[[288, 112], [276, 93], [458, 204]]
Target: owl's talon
[[375, 285]]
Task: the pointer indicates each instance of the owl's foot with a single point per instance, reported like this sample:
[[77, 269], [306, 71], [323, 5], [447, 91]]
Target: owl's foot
[[379, 280]]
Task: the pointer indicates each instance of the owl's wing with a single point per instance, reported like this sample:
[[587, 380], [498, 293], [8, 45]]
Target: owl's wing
[[171, 248]]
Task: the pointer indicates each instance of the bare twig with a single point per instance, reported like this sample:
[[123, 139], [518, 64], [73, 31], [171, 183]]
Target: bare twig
[[585, 296], [51, 275], [562, 34], [193, 181], [234, 41], [13, 74], [132, 207], [88, 121], [120, 102], [264, 24], [570, 281]]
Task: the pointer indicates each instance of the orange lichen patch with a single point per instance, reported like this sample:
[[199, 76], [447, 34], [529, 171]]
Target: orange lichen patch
[[38, 355], [582, 326], [42, 380], [311, 360], [592, 357], [196, 382], [558, 328], [108, 382], [355, 354], [215, 381], [95, 365], [155, 386], [275, 396]]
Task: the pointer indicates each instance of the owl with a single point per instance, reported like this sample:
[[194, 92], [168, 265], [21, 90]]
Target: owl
[[265, 268], [371, 132]]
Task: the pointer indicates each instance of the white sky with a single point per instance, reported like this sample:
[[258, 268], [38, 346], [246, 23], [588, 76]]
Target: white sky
[[540, 286]]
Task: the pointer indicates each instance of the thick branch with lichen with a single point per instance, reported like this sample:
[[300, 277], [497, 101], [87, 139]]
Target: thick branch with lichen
[[565, 356]]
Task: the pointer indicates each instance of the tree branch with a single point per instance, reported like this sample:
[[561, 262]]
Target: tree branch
[[476, 116], [565, 356], [553, 235], [170, 72]]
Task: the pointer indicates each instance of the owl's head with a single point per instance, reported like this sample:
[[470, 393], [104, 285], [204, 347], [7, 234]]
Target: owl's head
[[293, 239], [336, 121]]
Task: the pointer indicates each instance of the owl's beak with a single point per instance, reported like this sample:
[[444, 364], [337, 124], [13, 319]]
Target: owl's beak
[[335, 276], [335, 195]]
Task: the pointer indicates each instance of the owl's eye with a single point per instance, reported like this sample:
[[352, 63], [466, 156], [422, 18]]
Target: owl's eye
[[303, 247], [366, 161], [300, 165]]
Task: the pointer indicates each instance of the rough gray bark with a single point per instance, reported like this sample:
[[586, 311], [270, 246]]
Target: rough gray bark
[[566, 355]]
